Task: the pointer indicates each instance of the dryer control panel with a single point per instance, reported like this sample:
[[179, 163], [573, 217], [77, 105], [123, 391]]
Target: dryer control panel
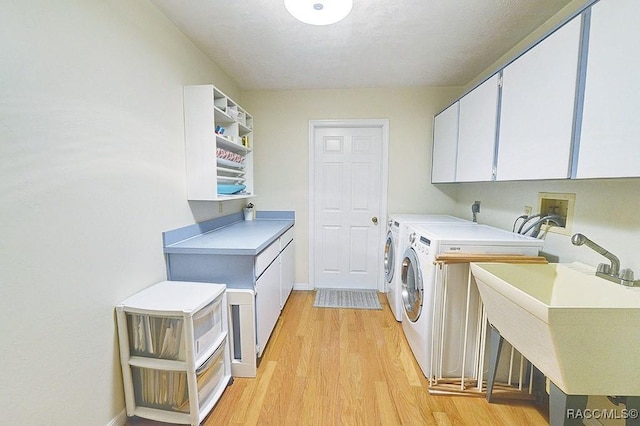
[[420, 243]]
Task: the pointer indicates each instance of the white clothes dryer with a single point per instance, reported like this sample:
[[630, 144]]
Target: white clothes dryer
[[440, 311], [395, 245]]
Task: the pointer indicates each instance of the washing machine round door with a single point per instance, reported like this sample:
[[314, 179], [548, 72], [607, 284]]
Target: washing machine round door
[[412, 290], [389, 257]]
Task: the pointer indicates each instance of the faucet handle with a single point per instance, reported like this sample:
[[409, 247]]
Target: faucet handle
[[626, 275], [604, 268]]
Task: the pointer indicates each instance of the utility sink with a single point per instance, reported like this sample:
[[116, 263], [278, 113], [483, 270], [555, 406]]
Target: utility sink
[[581, 331]]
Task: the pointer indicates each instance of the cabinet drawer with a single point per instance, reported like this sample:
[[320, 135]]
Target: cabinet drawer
[[155, 337], [168, 390], [286, 238], [162, 337], [265, 257], [211, 374], [207, 326], [161, 389]]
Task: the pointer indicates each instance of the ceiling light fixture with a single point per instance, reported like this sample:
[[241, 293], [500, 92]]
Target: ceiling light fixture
[[319, 12]]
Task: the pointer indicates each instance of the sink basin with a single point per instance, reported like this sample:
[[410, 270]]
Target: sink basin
[[581, 331]]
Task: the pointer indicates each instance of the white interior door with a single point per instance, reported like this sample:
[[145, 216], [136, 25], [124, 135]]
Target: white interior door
[[348, 187]]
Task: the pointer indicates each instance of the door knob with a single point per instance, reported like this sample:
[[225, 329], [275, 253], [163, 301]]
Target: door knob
[[374, 220]]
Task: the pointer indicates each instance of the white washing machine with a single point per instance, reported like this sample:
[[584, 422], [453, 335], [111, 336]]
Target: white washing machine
[[441, 312], [395, 245]]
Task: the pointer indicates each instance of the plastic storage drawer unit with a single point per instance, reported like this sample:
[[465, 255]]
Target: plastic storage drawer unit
[[174, 350]]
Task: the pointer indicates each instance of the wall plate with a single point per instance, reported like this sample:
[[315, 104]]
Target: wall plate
[[562, 204]]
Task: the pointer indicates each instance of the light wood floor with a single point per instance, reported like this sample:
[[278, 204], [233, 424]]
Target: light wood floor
[[349, 367]]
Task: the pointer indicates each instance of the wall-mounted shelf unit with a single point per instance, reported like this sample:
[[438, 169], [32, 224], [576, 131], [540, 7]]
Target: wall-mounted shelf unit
[[174, 350], [219, 145]]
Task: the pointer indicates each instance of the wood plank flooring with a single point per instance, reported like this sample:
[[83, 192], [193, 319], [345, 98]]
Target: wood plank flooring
[[326, 366]]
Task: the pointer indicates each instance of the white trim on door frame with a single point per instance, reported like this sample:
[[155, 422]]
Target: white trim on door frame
[[380, 123]]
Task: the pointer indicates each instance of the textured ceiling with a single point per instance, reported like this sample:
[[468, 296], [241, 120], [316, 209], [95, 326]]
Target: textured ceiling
[[382, 43]]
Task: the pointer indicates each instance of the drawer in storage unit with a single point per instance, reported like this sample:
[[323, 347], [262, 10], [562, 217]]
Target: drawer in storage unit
[[207, 326], [210, 375], [168, 390], [155, 337], [161, 389], [161, 336], [265, 257]]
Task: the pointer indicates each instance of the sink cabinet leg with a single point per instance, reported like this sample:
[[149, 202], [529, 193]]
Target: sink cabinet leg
[[495, 345], [565, 410]]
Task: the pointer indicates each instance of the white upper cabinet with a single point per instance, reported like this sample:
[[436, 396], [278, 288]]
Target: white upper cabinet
[[477, 132], [610, 138], [445, 145], [537, 110]]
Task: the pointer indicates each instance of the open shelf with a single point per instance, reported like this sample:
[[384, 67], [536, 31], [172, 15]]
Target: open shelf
[[218, 137]]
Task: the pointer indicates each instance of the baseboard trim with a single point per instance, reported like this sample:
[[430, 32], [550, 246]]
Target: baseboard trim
[[119, 420], [303, 286]]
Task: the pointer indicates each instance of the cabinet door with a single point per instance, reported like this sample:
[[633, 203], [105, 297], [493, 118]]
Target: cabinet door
[[609, 143], [477, 132], [287, 273], [537, 111], [267, 304], [445, 145]]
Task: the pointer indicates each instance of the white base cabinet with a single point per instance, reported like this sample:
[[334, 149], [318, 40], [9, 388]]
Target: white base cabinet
[[252, 259], [174, 350], [267, 304], [287, 271], [273, 285]]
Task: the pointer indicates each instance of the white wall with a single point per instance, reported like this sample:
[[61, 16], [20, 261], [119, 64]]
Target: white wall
[[281, 132], [606, 211], [91, 174]]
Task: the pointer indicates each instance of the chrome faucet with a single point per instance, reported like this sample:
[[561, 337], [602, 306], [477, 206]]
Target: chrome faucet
[[609, 272]]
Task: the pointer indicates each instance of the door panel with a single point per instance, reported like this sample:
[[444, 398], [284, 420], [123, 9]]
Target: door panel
[[610, 125], [332, 178], [536, 116], [347, 190], [267, 304], [331, 249], [445, 145], [287, 272], [358, 249]]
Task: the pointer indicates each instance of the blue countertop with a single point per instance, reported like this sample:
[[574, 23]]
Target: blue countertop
[[229, 235]]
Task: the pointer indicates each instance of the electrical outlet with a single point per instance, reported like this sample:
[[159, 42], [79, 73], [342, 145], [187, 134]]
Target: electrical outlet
[[220, 209], [528, 210]]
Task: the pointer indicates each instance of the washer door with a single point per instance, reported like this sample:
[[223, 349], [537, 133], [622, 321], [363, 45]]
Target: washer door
[[389, 257], [412, 290]]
